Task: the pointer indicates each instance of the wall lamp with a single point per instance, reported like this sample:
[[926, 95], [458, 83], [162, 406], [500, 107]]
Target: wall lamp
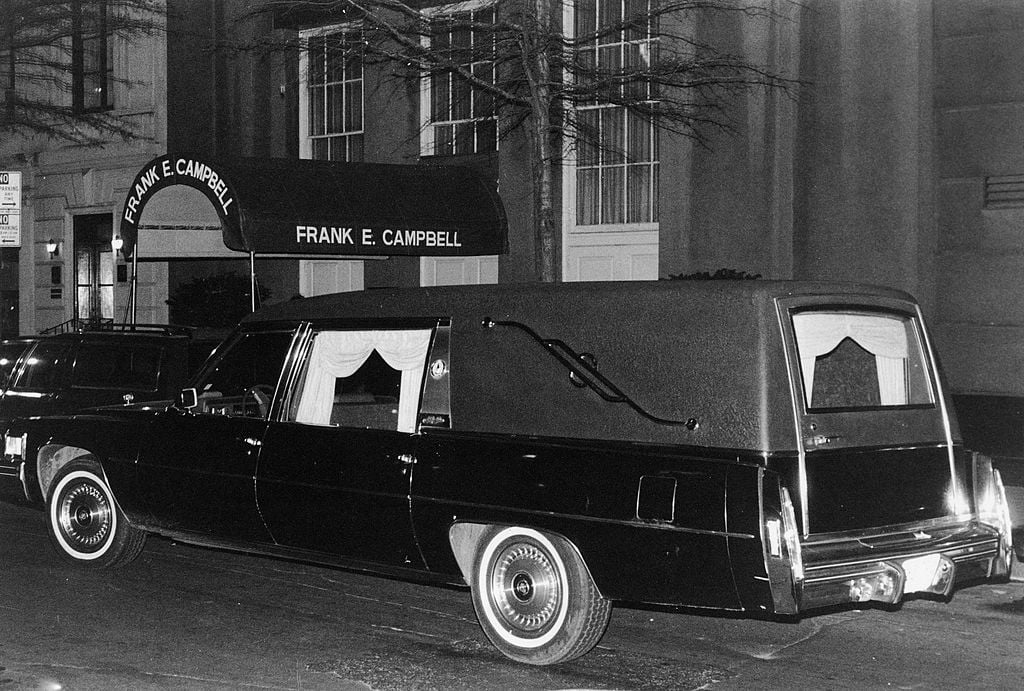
[[117, 243], [53, 247]]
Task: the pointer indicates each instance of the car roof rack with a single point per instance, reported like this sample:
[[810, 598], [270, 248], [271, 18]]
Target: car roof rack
[[76, 325]]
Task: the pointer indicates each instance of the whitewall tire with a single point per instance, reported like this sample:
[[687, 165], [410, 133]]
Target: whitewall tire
[[85, 524], [534, 597]]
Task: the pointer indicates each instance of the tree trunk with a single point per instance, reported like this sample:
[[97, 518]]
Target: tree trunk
[[547, 224], [538, 74]]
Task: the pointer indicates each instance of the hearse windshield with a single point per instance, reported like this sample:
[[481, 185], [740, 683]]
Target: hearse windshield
[[860, 359]]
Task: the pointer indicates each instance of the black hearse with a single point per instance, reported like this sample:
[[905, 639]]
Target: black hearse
[[757, 446]]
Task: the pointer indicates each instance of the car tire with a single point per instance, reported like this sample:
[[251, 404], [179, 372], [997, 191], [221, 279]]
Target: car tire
[[86, 526], [534, 597]]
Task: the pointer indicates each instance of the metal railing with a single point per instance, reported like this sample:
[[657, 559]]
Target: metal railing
[[78, 325]]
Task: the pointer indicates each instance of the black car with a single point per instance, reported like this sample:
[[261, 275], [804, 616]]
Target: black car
[[68, 372], [746, 446]]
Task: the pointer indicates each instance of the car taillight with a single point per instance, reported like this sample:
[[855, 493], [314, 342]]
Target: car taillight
[[14, 445], [783, 558], [993, 509], [791, 537]]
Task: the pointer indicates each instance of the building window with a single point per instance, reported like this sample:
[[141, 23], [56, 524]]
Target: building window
[[333, 97], [331, 128], [617, 154], [92, 56], [461, 118], [7, 81]]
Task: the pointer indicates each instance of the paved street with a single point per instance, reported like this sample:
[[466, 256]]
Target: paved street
[[184, 617]]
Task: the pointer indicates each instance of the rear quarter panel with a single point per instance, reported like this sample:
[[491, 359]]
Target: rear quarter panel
[[994, 425], [678, 554]]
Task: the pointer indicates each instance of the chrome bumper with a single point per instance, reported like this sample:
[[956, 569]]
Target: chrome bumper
[[13, 471], [854, 571]]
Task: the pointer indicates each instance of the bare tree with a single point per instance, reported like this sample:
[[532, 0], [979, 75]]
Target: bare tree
[[55, 71], [556, 75]]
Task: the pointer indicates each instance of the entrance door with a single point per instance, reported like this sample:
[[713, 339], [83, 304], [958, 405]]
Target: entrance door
[[94, 267]]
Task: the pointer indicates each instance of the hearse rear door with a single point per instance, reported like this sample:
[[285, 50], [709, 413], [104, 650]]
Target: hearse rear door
[[336, 468], [873, 432]]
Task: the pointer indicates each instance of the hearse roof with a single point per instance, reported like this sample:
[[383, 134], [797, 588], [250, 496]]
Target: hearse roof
[[707, 351], [426, 302]]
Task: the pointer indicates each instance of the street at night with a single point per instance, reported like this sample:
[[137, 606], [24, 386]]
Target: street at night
[[186, 617], [478, 345]]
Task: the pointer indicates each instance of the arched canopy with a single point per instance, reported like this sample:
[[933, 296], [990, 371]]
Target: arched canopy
[[304, 207]]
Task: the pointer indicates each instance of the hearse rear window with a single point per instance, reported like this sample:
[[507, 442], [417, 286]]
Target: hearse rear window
[[854, 359]]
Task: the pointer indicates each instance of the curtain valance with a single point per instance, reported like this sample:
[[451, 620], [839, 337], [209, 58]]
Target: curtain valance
[[884, 336], [339, 354]]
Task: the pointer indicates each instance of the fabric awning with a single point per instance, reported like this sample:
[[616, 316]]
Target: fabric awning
[[304, 207]]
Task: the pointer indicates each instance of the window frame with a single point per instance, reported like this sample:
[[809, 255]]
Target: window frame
[[408, 402], [606, 160], [571, 185], [227, 350], [86, 348], [354, 267], [428, 139], [103, 73], [919, 383], [836, 429], [306, 135], [8, 74]]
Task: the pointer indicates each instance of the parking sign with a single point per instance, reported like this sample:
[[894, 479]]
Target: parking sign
[[10, 228], [10, 190]]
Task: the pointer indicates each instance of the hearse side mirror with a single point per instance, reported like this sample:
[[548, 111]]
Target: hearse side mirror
[[188, 398]]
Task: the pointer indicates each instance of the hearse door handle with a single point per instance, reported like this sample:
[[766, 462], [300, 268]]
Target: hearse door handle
[[406, 459], [821, 440]]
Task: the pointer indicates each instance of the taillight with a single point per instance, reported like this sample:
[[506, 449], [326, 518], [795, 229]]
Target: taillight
[[791, 537], [993, 509], [14, 445], [783, 558]]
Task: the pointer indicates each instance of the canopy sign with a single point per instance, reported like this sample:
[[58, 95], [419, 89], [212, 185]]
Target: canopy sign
[[302, 207]]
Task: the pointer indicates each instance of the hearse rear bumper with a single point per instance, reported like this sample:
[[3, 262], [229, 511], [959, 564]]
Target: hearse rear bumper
[[889, 568]]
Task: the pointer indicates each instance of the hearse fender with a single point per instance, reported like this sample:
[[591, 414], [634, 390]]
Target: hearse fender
[[112, 443]]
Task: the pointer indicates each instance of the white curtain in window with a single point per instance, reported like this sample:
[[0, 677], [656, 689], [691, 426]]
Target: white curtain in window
[[338, 354], [818, 333]]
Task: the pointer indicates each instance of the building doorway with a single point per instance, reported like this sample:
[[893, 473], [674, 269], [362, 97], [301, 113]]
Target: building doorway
[[94, 267]]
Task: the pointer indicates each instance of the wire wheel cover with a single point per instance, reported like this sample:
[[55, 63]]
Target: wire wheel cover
[[525, 587], [85, 516]]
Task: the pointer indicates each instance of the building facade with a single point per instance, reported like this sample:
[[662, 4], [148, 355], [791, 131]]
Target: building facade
[[894, 158]]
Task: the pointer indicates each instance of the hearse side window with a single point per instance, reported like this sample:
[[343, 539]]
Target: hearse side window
[[43, 366], [117, 366], [368, 379], [241, 383], [852, 359]]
